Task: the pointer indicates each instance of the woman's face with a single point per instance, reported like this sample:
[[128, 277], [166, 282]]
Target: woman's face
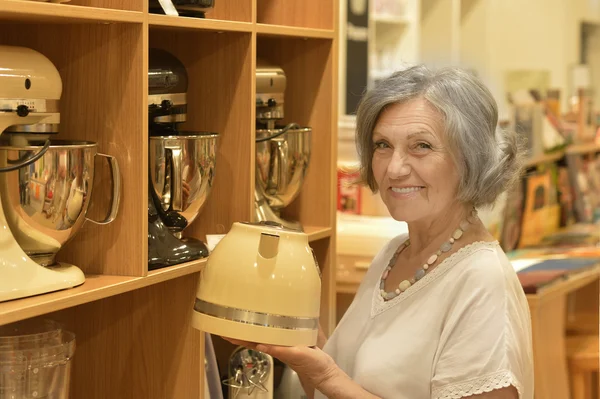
[[412, 164]]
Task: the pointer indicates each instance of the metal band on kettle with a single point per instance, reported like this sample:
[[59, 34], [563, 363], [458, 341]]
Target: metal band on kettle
[[256, 318]]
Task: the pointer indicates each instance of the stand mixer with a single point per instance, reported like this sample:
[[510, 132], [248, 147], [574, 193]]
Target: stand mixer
[[30, 90], [181, 166], [282, 152]]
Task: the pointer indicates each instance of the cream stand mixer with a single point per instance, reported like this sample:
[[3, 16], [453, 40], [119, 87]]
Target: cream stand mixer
[[30, 89], [282, 152]]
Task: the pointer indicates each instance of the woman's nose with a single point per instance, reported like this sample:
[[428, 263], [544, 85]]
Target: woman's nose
[[398, 166]]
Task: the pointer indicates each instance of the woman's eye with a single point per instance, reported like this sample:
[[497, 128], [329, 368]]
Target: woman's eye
[[380, 145], [423, 146]]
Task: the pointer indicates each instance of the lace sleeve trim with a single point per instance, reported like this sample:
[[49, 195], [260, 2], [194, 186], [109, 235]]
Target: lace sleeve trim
[[477, 386]]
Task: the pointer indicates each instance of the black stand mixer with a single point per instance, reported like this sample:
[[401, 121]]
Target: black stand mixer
[[181, 166]]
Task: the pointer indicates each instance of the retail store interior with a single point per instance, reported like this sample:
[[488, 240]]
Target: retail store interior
[[239, 117]]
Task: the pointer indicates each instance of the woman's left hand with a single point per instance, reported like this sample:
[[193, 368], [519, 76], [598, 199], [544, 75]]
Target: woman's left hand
[[314, 367]]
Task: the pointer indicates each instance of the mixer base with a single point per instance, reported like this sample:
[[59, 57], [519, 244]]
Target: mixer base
[[30, 279], [263, 213], [164, 249]]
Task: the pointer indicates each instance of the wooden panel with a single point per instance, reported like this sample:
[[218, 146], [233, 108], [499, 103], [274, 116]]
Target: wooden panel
[[219, 67], [303, 13], [136, 345], [102, 101], [134, 5], [582, 310], [95, 287], [277, 30], [35, 11], [308, 65], [179, 23], [316, 233], [324, 251], [550, 362], [236, 10]]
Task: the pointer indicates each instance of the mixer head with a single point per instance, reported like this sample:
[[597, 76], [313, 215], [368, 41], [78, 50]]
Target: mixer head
[[270, 88], [30, 90], [167, 88]]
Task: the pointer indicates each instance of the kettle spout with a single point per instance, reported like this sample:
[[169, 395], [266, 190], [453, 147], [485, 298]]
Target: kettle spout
[[268, 247]]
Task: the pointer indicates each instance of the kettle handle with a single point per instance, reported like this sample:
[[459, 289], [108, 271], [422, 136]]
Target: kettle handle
[[115, 173]]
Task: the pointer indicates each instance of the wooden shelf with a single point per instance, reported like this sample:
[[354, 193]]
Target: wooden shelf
[[544, 158], [583, 148], [280, 30], [95, 287], [34, 11], [316, 233], [122, 308], [185, 23]]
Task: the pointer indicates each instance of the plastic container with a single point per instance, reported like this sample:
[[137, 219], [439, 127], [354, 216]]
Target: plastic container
[[35, 361]]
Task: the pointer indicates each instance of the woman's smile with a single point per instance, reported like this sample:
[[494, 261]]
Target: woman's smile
[[405, 191]]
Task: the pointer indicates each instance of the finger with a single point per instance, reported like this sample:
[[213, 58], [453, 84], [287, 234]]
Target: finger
[[240, 342]]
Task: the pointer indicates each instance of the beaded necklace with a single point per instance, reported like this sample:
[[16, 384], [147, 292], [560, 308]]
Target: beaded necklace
[[419, 274]]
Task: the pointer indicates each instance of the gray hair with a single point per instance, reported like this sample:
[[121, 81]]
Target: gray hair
[[488, 158]]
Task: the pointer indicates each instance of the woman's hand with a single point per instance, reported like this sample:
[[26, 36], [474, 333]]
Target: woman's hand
[[314, 367]]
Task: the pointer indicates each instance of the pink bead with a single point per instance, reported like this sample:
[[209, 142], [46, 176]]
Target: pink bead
[[432, 259]]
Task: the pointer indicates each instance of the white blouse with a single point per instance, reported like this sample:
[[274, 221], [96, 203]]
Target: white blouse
[[461, 330]]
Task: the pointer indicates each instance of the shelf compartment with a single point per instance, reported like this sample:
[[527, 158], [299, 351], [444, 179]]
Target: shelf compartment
[[102, 101], [317, 14], [278, 30], [34, 11], [183, 23], [95, 287], [222, 11], [139, 344], [309, 101], [220, 99]]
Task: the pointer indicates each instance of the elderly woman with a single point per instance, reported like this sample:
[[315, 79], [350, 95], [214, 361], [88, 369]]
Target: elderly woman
[[440, 313]]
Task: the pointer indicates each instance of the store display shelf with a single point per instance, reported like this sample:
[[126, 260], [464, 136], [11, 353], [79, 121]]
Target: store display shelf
[[566, 285], [95, 287], [185, 23], [34, 11], [280, 30], [316, 233], [543, 158], [583, 148]]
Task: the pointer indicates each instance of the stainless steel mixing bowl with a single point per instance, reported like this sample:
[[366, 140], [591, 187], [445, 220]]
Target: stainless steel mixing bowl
[[182, 169], [46, 201], [281, 165]]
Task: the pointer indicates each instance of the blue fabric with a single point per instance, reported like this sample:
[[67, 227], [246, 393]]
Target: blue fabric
[[562, 264]]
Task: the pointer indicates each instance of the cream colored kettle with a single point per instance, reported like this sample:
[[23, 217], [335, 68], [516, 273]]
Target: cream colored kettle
[[260, 284]]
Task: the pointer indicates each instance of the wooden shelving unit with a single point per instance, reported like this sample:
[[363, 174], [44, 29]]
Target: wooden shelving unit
[[134, 338]]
